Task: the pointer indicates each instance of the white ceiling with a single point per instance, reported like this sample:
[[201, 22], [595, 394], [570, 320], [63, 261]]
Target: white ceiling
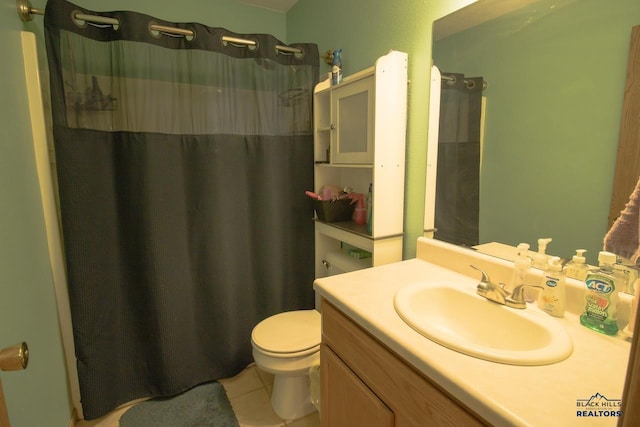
[[276, 5]]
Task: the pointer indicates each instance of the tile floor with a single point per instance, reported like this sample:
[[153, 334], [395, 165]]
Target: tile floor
[[249, 393]]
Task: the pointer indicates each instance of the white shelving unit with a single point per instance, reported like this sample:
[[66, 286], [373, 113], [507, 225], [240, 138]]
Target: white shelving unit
[[359, 139]]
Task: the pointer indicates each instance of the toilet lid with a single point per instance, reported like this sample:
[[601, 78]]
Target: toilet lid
[[288, 332]]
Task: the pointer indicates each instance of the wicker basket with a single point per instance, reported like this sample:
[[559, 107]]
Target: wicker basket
[[334, 210]]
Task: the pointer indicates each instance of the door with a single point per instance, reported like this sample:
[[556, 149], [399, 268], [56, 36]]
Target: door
[[352, 118], [4, 416]]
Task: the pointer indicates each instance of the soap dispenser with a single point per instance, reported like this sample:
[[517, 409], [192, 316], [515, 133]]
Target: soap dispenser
[[522, 265], [628, 272], [553, 298], [540, 259], [634, 308], [577, 267]]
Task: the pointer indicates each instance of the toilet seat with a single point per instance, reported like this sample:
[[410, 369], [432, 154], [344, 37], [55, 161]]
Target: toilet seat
[[289, 334]]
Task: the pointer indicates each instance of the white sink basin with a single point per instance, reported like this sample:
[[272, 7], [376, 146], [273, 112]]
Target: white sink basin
[[461, 320]]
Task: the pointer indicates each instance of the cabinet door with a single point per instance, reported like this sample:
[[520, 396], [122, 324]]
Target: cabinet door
[[350, 402], [352, 122], [415, 401]]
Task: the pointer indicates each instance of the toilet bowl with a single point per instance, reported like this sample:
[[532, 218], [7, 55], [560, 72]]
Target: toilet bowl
[[287, 345]]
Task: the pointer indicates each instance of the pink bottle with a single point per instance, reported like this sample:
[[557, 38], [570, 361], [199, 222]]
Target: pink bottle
[[360, 212]]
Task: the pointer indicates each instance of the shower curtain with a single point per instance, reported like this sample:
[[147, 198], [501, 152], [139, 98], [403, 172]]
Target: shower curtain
[[457, 203], [182, 162]]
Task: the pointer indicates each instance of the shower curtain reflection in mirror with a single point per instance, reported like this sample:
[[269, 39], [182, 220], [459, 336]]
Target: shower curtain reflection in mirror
[[182, 165], [458, 171]]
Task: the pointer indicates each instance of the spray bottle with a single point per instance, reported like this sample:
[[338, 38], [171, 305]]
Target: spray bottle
[[336, 67], [360, 212]]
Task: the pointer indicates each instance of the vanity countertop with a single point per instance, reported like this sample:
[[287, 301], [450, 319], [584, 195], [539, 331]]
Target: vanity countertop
[[501, 394]]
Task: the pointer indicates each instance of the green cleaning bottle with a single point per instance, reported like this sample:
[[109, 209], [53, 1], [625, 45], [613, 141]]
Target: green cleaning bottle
[[370, 209], [601, 296]]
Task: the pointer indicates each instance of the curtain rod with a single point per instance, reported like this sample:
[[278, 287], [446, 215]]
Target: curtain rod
[[25, 11]]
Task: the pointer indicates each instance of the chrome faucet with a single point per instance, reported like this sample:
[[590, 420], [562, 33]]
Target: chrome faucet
[[497, 293], [517, 299]]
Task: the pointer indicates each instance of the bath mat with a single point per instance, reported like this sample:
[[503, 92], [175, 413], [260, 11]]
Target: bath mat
[[204, 405]]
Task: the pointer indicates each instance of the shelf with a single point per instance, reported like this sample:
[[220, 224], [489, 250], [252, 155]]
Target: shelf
[[349, 226], [367, 108], [358, 230], [346, 235], [345, 165], [326, 88]]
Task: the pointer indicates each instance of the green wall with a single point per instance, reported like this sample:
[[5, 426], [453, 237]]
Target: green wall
[[554, 99], [37, 396], [366, 30]]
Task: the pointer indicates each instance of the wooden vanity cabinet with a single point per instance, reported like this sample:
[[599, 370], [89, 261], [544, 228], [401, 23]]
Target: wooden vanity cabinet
[[363, 383]]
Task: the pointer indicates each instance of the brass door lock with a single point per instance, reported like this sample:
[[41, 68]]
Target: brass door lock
[[14, 358]]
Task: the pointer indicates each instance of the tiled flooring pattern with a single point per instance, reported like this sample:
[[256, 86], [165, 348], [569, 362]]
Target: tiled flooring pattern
[[249, 393]]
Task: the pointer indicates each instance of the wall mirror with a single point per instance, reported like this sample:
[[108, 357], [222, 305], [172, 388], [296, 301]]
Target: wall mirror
[[555, 76]]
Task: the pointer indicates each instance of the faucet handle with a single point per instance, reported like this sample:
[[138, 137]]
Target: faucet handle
[[503, 287], [516, 300], [485, 277]]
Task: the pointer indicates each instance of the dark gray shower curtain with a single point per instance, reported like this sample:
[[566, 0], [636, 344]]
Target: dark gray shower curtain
[[182, 165], [457, 203]]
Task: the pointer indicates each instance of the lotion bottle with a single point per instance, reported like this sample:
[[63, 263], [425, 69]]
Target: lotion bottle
[[577, 267], [553, 297]]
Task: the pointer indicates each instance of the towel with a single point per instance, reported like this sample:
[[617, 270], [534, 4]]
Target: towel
[[624, 237]]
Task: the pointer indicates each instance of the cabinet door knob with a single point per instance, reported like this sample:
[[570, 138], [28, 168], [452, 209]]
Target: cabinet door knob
[[332, 127]]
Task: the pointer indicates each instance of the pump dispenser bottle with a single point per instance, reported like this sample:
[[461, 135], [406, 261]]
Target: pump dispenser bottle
[[553, 298], [601, 301], [577, 267], [540, 259], [634, 308], [522, 266]]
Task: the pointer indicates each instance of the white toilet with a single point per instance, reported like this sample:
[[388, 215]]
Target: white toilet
[[288, 345]]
